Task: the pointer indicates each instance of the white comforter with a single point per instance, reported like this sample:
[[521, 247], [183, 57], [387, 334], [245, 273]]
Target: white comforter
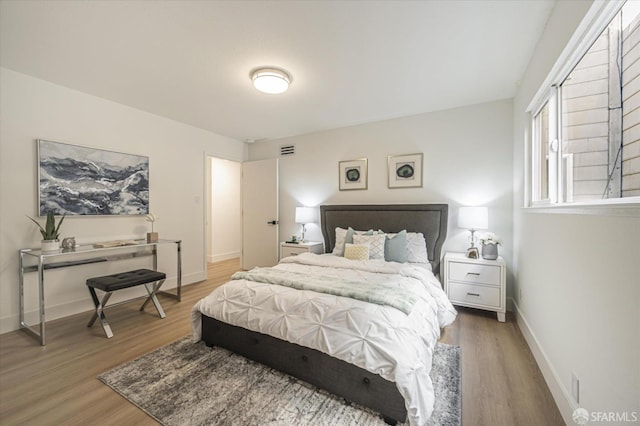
[[380, 339]]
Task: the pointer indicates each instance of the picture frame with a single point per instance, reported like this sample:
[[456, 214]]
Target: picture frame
[[78, 180], [404, 171], [353, 174]]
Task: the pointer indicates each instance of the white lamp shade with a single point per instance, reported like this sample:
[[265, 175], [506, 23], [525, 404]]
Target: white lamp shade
[[306, 215], [473, 217]]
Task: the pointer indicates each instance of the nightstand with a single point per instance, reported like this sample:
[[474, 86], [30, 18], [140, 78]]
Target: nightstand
[[292, 249], [476, 283]]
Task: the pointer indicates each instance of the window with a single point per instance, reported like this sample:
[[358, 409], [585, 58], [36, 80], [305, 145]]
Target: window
[[586, 133], [541, 160]]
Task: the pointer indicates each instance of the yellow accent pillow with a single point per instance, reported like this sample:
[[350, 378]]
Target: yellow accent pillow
[[356, 251]]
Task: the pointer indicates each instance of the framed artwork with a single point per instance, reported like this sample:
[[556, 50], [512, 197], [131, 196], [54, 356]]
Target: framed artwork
[[352, 174], [405, 171], [77, 180]]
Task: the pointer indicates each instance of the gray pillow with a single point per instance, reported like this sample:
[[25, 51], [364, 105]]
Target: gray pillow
[[395, 248]]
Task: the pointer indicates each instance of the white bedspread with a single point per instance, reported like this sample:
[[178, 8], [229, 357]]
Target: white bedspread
[[380, 339]]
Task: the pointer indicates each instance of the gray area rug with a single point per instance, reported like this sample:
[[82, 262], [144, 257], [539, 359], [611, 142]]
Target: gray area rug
[[190, 384]]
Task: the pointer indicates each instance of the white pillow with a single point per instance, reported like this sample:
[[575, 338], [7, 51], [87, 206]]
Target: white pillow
[[356, 251], [416, 248], [338, 249], [376, 244]]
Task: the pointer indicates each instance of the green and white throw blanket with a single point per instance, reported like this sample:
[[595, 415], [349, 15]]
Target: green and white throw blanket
[[401, 298]]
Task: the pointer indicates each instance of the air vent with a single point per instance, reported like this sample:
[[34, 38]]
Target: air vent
[[287, 150]]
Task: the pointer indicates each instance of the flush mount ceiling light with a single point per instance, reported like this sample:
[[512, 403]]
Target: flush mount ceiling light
[[270, 80]]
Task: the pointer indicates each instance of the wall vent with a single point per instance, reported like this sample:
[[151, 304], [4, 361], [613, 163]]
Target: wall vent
[[287, 150]]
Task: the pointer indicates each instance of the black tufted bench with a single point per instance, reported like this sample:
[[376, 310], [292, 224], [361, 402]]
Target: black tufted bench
[[152, 280]]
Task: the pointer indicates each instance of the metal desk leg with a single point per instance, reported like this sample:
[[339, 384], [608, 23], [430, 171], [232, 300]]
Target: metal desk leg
[[23, 322], [41, 290], [179, 255], [21, 289], [178, 294], [155, 257]]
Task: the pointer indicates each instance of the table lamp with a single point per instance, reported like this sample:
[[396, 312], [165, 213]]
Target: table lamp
[[473, 218], [305, 215]]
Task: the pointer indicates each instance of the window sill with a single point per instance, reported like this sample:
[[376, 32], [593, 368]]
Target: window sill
[[625, 207]]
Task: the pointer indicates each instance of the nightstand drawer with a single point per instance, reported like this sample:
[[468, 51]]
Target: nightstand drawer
[[292, 251], [474, 294], [474, 273]]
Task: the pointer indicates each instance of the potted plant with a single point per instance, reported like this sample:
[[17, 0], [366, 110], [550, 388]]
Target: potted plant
[[50, 232], [490, 242]]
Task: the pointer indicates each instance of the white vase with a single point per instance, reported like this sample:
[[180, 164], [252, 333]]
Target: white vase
[[490, 251], [50, 245]]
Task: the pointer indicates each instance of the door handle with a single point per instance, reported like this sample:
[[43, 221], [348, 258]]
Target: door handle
[[272, 222]]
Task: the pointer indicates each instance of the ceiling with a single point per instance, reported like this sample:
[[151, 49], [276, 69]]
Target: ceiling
[[352, 62]]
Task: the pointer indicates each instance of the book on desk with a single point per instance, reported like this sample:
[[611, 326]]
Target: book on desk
[[117, 243]]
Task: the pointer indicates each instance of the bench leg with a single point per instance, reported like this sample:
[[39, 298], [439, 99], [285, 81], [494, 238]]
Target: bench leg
[[99, 312], [152, 289]]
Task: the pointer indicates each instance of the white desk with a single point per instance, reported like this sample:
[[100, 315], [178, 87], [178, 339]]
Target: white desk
[[83, 255]]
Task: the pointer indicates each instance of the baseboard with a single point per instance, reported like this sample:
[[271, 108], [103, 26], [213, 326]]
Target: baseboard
[[11, 323], [223, 256], [562, 397]]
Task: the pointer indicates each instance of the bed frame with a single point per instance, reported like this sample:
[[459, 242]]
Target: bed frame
[[352, 383]]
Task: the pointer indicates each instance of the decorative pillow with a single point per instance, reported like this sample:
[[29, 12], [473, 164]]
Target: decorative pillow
[[341, 234], [344, 236], [356, 251], [416, 248], [376, 244], [395, 247]]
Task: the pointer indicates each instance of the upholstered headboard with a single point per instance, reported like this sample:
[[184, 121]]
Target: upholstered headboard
[[430, 219]]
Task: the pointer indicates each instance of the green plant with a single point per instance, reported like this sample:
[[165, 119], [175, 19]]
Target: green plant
[[50, 230]]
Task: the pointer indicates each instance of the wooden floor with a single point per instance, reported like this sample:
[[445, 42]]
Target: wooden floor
[[57, 385]]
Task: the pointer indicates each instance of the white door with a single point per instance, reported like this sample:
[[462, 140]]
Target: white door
[[259, 213]]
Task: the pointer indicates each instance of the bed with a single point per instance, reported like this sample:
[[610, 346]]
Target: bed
[[370, 353]]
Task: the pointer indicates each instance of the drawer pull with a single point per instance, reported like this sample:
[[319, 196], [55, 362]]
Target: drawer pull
[[474, 273], [473, 294]]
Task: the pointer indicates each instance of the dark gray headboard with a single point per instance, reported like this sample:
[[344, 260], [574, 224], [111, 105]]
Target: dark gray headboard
[[430, 219]]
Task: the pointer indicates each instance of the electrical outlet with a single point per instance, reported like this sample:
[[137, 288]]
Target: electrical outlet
[[575, 388]]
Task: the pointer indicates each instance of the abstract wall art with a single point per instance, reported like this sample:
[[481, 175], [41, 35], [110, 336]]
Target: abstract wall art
[[78, 180], [352, 174], [405, 171]]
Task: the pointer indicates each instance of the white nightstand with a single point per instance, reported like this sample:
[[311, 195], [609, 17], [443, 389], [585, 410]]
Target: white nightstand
[[476, 283], [292, 249]]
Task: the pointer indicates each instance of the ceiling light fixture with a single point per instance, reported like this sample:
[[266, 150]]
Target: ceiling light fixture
[[271, 80]]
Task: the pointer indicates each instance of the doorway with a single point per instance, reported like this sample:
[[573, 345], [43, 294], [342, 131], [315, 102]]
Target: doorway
[[224, 212]]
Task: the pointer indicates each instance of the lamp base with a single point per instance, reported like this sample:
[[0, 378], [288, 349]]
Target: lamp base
[[472, 253]]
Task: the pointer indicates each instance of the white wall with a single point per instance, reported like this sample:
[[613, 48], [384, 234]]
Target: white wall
[[578, 274], [226, 214], [35, 109], [467, 161]]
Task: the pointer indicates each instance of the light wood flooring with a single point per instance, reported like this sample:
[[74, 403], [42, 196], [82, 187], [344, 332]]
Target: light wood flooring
[[57, 385]]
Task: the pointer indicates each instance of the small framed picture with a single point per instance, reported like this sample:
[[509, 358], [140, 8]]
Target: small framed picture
[[405, 171], [352, 174]]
